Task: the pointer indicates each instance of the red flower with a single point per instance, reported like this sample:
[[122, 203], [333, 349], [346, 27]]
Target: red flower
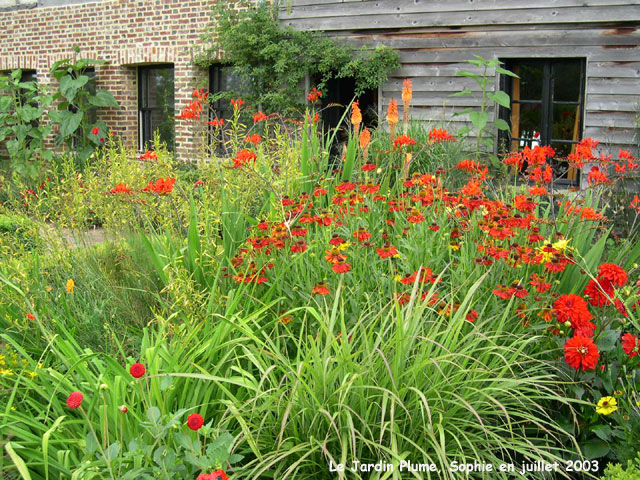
[[440, 135], [415, 216], [95, 130], [255, 139], [387, 251], [74, 400], [30, 316], [581, 353], [630, 344], [243, 157], [121, 188], [314, 95], [573, 308], [299, 246], [216, 122], [162, 186], [321, 289], [259, 117], [472, 316], [434, 226], [614, 273], [341, 266], [361, 234], [195, 421], [217, 475], [598, 290], [237, 103], [137, 370], [367, 167], [403, 140], [540, 285]]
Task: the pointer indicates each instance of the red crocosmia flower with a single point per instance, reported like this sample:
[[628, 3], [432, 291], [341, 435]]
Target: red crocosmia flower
[[361, 234], [614, 273], [341, 266], [440, 135], [31, 316], [314, 95], [255, 139], [216, 122], [121, 188], [237, 103], [387, 251], [137, 370], [472, 316], [597, 177], [299, 246], [630, 344], [321, 289], [195, 421], [259, 117], [403, 140], [581, 353], [537, 191], [162, 186], [367, 167], [243, 157], [75, 400], [95, 130], [198, 183]]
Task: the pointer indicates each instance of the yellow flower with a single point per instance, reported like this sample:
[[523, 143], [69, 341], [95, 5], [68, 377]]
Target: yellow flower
[[48, 288], [70, 285], [562, 245], [607, 405], [343, 246]]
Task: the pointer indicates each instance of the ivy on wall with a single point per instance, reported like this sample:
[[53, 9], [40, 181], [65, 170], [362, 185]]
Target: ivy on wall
[[273, 61]]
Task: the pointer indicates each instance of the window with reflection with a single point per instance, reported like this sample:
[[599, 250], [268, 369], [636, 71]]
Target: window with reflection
[[547, 104], [156, 109]]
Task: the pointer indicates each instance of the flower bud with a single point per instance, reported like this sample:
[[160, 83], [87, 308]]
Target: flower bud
[[124, 409], [104, 386]]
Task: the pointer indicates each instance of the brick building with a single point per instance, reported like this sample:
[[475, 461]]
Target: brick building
[[148, 45]]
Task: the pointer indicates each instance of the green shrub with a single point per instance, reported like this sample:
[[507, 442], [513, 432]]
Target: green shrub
[[619, 472]]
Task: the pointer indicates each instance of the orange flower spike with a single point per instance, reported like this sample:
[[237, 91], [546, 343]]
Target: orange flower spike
[[407, 93], [392, 118], [356, 116], [365, 138]]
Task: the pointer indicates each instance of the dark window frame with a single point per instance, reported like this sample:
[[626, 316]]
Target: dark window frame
[[547, 102], [145, 112]]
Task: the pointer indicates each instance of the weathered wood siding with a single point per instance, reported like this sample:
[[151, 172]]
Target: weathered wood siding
[[435, 38]]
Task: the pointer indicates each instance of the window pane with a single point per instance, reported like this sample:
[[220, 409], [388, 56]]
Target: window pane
[[530, 120], [164, 124], [566, 81], [565, 122], [531, 80], [160, 94]]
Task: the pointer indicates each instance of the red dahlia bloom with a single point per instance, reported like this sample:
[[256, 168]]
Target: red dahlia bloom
[[195, 421], [574, 309], [321, 289], [581, 353], [74, 400], [630, 344], [598, 291], [137, 370]]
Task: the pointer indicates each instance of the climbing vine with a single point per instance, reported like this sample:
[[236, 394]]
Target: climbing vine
[[273, 61]]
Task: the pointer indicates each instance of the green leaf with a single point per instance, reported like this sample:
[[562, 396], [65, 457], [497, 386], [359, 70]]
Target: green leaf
[[500, 124], [103, 98], [6, 102], [501, 98], [69, 86], [607, 340], [595, 449], [166, 381], [91, 443], [112, 452], [153, 414], [467, 74], [70, 123], [479, 119], [602, 431], [504, 71], [18, 462], [465, 111], [466, 91]]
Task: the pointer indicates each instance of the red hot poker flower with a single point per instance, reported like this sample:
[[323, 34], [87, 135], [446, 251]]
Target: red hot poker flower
[[74, 400], [581, 353]]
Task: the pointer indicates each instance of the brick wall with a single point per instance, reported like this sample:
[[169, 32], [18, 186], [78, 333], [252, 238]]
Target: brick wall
[[126, 33]]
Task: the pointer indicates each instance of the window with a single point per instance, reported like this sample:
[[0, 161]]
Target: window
[[156, 105], [223, 79], [547, 102], [28, 76]]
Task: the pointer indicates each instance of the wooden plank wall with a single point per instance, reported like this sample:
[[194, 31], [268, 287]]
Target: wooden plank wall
[[435, 38]]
